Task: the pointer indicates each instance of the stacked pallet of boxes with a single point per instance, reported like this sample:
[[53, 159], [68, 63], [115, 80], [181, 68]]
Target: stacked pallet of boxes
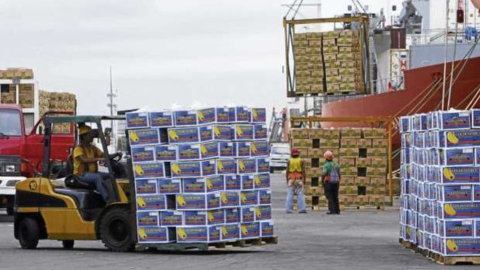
[[16, 73], [26, 93], [362, 155], [201, 176], [328, 62], [60, 102], [440, 211]]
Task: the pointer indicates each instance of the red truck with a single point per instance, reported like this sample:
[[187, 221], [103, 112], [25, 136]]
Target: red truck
[[21, 151]]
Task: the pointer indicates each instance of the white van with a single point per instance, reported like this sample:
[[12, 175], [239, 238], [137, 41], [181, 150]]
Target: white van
[[279, 155]]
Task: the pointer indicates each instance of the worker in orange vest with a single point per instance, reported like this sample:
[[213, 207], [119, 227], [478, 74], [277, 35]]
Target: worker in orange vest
[[295, 182]]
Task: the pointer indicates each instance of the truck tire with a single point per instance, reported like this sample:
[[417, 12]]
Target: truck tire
[[28, 233], [115, 230], [68, 244]]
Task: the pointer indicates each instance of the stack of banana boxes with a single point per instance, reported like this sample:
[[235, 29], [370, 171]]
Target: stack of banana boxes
[[441, 182], [201, 176], [362, 155]]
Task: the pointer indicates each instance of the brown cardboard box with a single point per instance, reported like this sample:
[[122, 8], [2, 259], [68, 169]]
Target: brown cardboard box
[[362, 200], [376, 200], [374, 133], [378, 181], [330, 143], [376, 171], [303, 152], [364, 143], [316, 88], [332, 64], [349, 152], [305, 81], [302, 73], [301, 143], [345, 56], [302, 58], [331, 79], [316, 65], [299, 37], [351, 190], [307, 162], [313, 172], [330, 35], [347, 41], [308, 200], [362, 181], [299, 133], [316, 73], [378, 162], [314, 35], [305, 89], [302, 67], [379, 143], [348, 171], [312, 50], [348, 33], [376, 152], [348, 64], [347, 162], [316, 133], [349, 180], [330, 57], [376, 190], [315, 80], [329, 43], [317, 43], [348, 87], [362, 162], [348, 143], [344, 49], [348, 78], [301, 43], [330, 49], [347, 71], [26, 95], [333, 88], [354, 133], [300, 51], [315, 153], [331, 134]]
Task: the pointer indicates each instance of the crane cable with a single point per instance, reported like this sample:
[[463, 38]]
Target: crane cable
[[446, 57], [298, 8], [453, 60], [291, 8]]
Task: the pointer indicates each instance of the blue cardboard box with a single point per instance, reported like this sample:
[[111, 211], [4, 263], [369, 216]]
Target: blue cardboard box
[[227, 149], [459, 175], [476, 194], [250, 230], [171, 218], [194, 185], [209, 150], [248, 181], [199, 234], [265, 197], [456, 228], [259, 148], [267, 228], [260, 132], [223, 115], [455, 193], [186, 169], [151, 202], [456, 210], [263, 165], [147, 186], [197, 201], [143, 136], [183, 135], [188, 152], [229, 199], [243, 149], [475, 118], [247, 166], [243, 132], [193, 218], [230, 232], [232, 215], [209, 167], [155, 235], [454, 120], [215, 217], [206, 133], [143, 154], [477, 156], [222, 133], [166, 152], [457, 157], [207, 116], [461, 247], [262, 181], [259, 115], [149, 170], [226, 166], [137, 120], [248, 197], [243, 114], [263, 213], [233, 182], [185, 118], [215, 183], [247, 214], [148, 218], [461, 138], [404, 126], [169, 186], [161, 119]]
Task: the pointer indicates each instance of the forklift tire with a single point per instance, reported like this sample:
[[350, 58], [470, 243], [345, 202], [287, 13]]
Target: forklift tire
[[28, 233], [115, 230], [10, 211], [68, 244]]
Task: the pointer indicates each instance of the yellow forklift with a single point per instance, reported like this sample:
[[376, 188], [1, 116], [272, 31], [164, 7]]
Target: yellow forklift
[[74, 210]]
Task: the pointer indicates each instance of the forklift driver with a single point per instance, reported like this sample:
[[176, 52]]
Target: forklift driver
[[85, 158]]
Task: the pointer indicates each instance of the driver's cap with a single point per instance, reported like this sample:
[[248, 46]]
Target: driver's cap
[[84, 130]]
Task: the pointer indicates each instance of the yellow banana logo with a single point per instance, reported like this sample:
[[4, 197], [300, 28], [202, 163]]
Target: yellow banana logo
[[225, 231], [201, 116], [257, 180], [448, 174], [176, 169], [241, 165], [224, 198], [258, 212], [452, 138], [173, 135], [209, 184], [220, 165], [451, 245], [139, 170], [243, 197], [239, 131], [181, 233], [210, 217], [254, 149], [254, 114], [450, 210], [134, 136], [217, 131], [142, 233], [244, 230], [181, 200], [203, 149], [141, 202]]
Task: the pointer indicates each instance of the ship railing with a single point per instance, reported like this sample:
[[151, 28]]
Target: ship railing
[[429, 36]]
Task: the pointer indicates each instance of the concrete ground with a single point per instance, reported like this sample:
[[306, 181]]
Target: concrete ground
[[353, 240]]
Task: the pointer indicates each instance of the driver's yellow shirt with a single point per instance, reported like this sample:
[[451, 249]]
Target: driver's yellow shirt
[[88, 152]]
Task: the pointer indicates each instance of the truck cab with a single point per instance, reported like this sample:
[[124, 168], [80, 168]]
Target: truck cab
[[21, 152]]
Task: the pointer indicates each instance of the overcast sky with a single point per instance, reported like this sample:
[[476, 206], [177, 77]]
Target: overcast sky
[[163, 52]]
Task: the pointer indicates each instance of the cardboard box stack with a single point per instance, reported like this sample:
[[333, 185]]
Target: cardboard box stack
[[20, 73], [440, 171], [201, 176], [328, 62], [56, 101], [362, 155]]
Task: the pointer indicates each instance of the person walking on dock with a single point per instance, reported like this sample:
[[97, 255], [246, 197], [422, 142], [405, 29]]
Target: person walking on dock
[[295, 182], [331, 183]]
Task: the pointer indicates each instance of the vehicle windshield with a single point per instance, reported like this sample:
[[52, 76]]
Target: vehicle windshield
[[10, 124], [280, 151]]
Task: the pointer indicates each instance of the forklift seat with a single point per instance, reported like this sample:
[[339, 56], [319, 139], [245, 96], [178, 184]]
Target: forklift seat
[[88, 202]]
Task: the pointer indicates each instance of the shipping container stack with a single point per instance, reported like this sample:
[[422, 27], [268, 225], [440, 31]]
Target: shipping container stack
[[328, 62], [362, 155], [440, 209], [201, 176]]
